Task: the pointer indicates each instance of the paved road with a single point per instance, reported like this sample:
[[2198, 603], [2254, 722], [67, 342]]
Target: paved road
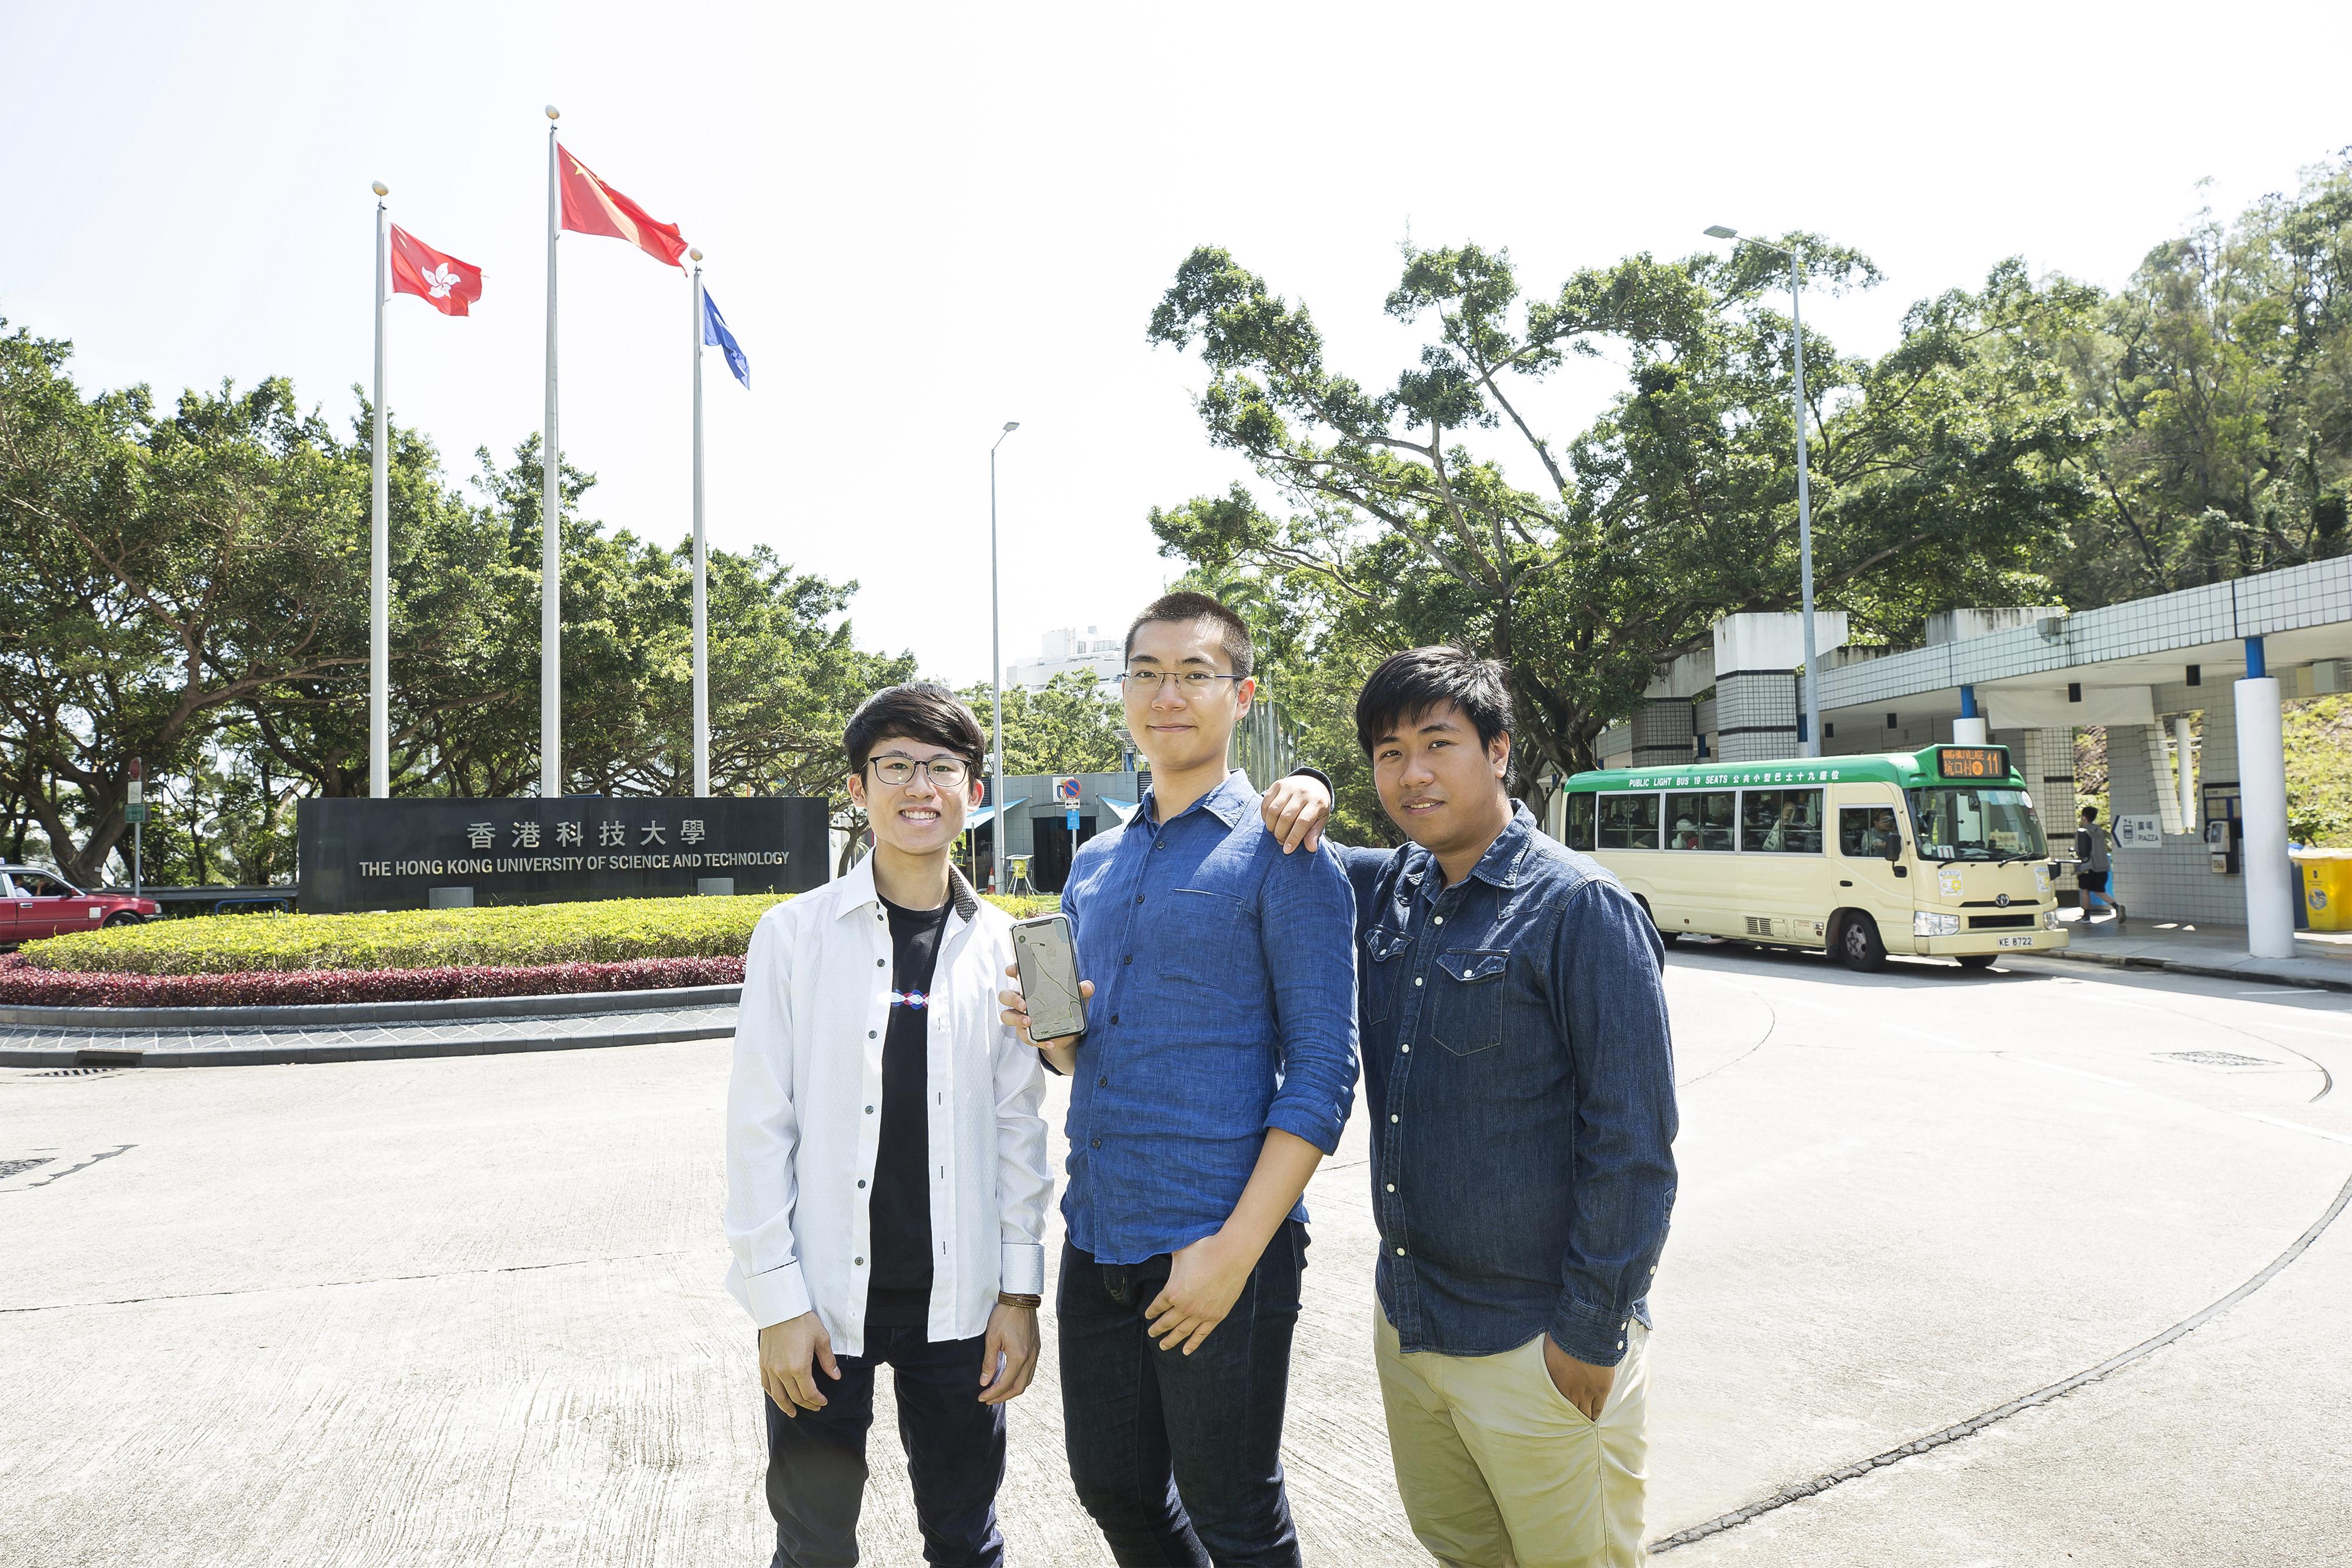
[[469, 1311]]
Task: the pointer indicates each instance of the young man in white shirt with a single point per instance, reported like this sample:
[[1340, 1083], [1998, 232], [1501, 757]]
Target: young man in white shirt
[[887, 1173]]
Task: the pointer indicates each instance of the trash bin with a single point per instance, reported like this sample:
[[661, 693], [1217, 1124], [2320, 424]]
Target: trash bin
[[2325, 876]]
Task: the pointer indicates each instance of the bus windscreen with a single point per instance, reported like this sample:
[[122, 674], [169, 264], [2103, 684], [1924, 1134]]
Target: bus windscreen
[[1959, 823]]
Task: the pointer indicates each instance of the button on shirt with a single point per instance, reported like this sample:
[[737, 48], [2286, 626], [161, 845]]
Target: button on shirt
[[1517, 1057], [1223, 1006]]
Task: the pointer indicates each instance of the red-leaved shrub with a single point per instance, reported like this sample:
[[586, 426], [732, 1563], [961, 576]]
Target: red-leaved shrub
[[23, 985]]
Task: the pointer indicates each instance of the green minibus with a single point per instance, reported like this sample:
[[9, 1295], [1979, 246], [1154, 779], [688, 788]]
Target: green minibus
[[1935, 852]]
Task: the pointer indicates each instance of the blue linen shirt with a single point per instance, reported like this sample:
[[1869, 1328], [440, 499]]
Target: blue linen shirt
[[1223, 1006], [1520, 1072]]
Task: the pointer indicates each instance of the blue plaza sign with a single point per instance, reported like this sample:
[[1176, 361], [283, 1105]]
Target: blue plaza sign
[[357, 854]]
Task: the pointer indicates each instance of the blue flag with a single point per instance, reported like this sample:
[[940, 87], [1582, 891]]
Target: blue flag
[[714, 333]]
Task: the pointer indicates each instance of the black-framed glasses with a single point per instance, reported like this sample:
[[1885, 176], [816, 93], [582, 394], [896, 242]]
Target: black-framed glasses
[[946, 772], [1192, 682]]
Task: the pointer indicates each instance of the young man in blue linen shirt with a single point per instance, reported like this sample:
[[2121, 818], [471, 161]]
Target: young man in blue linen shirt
[[886, 1172], [1521, 1075], [1216, 1070]]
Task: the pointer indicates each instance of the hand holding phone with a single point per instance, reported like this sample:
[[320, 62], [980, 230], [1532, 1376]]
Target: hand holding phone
[[1049, 1007]]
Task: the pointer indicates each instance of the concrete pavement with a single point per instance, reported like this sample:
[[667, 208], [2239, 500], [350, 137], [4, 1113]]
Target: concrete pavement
[[2321, 959], [468, 1311]]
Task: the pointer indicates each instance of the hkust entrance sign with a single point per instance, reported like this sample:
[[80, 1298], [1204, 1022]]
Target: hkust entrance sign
[[394, 854]]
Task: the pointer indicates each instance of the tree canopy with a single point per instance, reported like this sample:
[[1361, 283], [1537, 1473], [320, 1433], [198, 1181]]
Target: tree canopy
[[190, 587], [2031, 440]]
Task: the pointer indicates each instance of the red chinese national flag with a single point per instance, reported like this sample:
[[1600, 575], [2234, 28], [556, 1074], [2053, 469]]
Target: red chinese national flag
[[593, 207], [443, 282]]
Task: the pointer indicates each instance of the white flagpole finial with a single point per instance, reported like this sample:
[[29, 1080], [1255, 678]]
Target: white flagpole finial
[[553, 112], [695, 252], [380, 188]]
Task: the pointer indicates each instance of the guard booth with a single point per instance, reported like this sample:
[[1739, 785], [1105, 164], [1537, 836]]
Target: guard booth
[[1036, 822]]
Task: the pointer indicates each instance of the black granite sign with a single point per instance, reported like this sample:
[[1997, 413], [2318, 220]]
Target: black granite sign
[[394, 854]]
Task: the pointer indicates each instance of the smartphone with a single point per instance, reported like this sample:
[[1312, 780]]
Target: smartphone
[[1041, 951]]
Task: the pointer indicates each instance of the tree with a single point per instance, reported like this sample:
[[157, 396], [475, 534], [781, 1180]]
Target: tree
[[1676, 507], [190, 588], [2222, 375], [1074, 726], [155, 571], [463, 642]]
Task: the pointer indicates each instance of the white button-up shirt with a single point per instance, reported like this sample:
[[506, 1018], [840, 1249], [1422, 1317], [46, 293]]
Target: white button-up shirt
[[804, 1115]]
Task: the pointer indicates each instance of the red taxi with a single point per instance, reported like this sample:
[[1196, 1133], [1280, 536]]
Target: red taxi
[[37, 903]]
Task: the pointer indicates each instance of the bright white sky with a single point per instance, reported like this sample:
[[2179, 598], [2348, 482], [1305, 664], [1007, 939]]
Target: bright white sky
[[924, 220]]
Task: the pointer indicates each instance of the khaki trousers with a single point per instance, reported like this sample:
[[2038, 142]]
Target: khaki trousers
[[1498, 1471]]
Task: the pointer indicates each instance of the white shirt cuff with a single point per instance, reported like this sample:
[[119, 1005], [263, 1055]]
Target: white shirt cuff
[[777, 1296], [1024, 1268]]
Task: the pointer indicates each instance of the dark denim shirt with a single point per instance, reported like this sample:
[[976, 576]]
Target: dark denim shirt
[[1519, 1069], [1225, 1005]]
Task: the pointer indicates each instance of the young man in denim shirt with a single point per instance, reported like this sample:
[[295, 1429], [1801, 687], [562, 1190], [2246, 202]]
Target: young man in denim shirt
[[1216, 1069], [1520, 1078]]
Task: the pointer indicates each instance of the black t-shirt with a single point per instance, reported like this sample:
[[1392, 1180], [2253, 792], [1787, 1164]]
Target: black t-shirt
[[899, 1294]]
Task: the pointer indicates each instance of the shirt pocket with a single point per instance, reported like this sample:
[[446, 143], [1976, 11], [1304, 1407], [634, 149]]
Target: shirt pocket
[[1208, 943], [1466, 1013], [1383, 946]]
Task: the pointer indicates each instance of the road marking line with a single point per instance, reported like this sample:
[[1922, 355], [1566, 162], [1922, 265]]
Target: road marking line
[[2218, 1110], [1971, 1428]]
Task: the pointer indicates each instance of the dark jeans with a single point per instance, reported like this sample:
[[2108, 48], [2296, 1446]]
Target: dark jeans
[[1177, 1457], [955, 1455]]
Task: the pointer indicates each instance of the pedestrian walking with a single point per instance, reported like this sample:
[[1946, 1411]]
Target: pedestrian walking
[[2095, 872]]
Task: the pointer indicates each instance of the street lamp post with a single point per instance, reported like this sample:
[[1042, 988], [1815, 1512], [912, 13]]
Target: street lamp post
[[996, 676], [1812, 742]]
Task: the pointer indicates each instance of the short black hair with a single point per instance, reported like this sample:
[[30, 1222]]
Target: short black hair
[[2092, 813], [919, 710], [1191, 609], [1410, 684]]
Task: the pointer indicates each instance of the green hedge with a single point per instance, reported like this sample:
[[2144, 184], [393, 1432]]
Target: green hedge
[[604, 932]]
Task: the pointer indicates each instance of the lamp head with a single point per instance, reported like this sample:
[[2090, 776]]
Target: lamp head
[[553, 112], [1010, 426], [1717, 231], [380, 188]]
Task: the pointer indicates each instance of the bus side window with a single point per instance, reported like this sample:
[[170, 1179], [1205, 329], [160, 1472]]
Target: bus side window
[[1580, 822], [1629, 822], [1863, 832], [1699, 821], [1782, 822]]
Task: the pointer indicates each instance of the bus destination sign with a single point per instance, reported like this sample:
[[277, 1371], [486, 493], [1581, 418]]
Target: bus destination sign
[[1972, 761]]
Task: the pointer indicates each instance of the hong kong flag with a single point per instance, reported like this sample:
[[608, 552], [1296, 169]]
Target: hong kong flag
[[444, 282], [593, 207]]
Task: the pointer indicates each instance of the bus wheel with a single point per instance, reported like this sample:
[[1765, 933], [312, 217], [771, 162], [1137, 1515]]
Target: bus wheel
[[1858, 945], [1976, 960], [1665, 935]]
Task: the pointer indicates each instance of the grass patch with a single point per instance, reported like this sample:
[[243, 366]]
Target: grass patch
[[607, 931]]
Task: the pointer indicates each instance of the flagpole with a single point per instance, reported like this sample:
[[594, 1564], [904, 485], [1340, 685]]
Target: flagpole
[[379, 553], [701, 579], [550, 506]]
